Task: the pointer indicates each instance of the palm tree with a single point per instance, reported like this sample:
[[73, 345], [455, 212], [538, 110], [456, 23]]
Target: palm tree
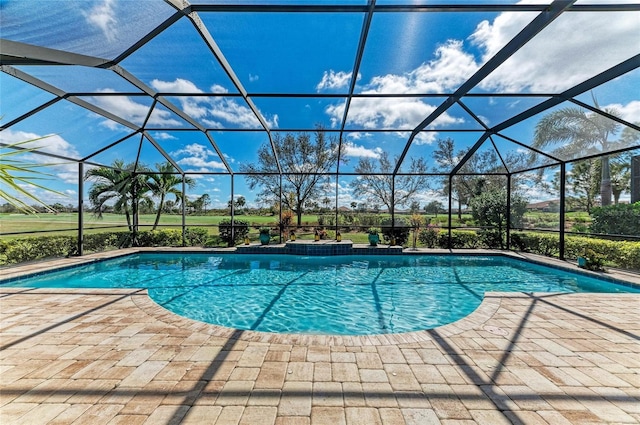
[[577, 130], [164, 183], [121, 184], [14, 172]]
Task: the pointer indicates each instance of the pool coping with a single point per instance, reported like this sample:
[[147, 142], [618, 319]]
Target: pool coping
[[476, 319]]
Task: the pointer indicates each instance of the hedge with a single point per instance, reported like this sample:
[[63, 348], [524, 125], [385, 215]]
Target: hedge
[[38, 248], [622, 254]]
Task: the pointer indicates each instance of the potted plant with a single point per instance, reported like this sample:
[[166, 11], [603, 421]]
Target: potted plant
[[374, 236], [265, 235], [292, 236], [591, 260]]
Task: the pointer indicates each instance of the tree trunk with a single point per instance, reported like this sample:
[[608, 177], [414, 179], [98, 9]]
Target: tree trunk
[[605, 183], [155, 223]]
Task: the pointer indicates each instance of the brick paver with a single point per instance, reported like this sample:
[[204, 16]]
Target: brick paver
[[114, 357]]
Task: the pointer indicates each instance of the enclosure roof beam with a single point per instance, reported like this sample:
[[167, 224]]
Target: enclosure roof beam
[[109, 146], [540, 22], [17, 53], [608, 75], [62, 94], [222, 60], [614, 72], [30, 113], [366, 24], [150, 36], [384, 8], [605, 114], [38, 151], [169, 105], [531, 148]]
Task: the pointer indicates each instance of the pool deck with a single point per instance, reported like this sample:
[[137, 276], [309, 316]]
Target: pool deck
[[112, 356]]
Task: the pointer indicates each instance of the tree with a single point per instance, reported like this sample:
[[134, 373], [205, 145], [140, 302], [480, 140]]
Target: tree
[[577, 130], [205, 200], [489, 209], [164, 183], [354, 205], [583, 180], [620, 175], [121, 184], [464, 187], [376, 182], [239, 202], [305, 163], [414, 207], [433, 207], [14, 172]]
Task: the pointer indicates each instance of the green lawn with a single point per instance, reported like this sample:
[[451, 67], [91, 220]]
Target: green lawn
[[66, 223], [61, 223]]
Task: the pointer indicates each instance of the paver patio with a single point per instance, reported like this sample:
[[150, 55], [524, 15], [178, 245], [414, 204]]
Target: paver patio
[[115, 357]]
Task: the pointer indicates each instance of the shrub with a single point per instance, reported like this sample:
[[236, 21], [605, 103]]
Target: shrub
[[536, 243], [621, 219], [400, 231], [160, 237], [429, 236], [595, 261], [616, 253], [369, 220], [491, 238], [459, 239], [38, 248], [241, 229], [196, 236]]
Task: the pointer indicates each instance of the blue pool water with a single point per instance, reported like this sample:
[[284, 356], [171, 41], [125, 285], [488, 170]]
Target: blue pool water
[[352, 295]]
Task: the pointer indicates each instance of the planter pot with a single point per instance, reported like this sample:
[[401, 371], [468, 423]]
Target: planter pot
[[374, 239], [264, 239], [582, 262]]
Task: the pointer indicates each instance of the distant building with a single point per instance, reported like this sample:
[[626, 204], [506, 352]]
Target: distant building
[[545, 206]]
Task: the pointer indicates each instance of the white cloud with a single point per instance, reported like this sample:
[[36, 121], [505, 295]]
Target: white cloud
[[389, 113], [128, 109], [629, 112], [450, 67], [52, 143], [351, 149], [180, 85], [571, 49], [103, 16], [164, 136], [198, 156], [215, 112], [333, 80]]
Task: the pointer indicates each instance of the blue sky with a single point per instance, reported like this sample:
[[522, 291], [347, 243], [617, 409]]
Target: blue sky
[[303, 53]]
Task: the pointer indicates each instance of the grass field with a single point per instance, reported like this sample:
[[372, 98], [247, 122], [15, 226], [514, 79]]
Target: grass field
[[66, 223]]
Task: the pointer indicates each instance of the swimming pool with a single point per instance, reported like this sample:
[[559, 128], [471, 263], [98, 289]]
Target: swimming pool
[[340, 295]]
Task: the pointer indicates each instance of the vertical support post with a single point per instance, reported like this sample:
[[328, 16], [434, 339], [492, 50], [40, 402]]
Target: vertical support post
[[508, 211], [336, 176], [563, 177], [450, 207], [393, 206], [134, 210], [184, 211], [233, 214], [280, 236], [80, 208]]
